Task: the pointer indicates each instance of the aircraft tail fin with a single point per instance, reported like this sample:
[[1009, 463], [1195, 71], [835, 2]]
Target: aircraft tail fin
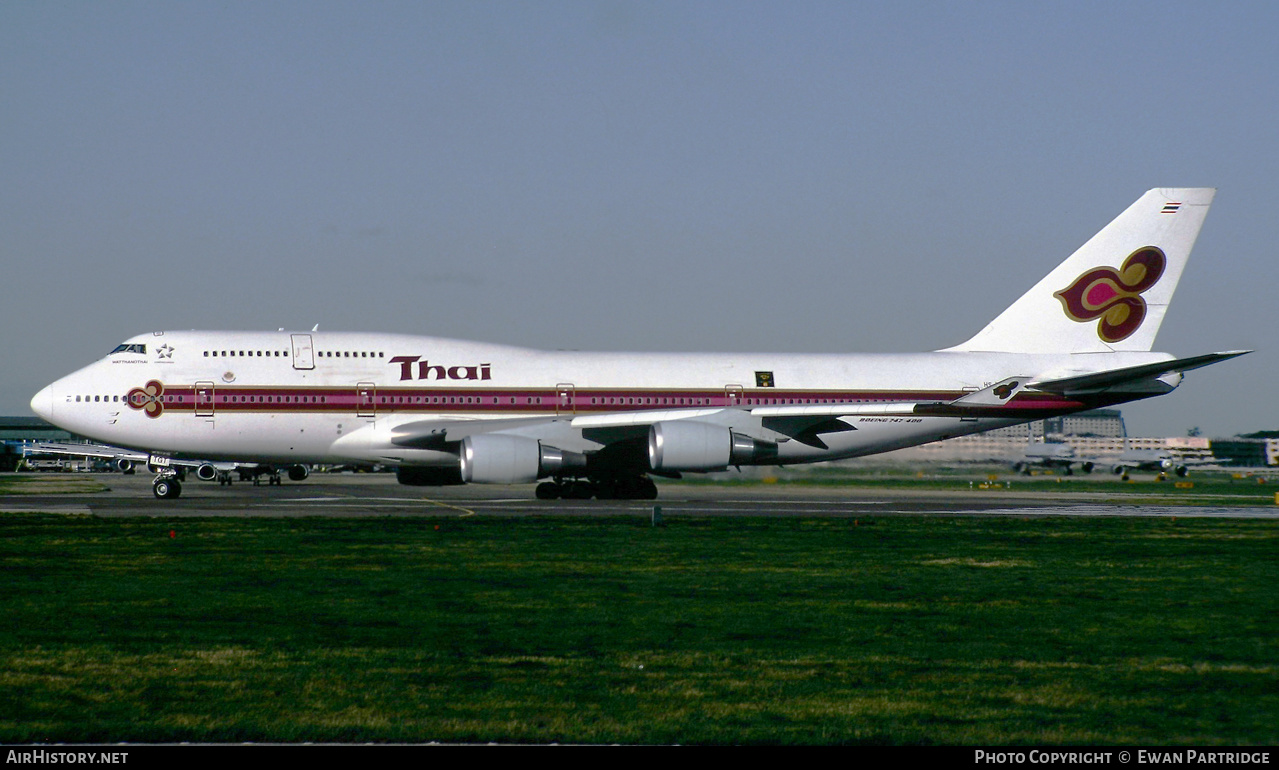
[[1112, 293]]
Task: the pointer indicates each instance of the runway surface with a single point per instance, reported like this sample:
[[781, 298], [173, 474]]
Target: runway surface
[[378, 495]]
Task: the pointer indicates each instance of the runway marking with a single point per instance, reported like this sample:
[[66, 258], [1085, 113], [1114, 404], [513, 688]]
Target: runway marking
[[468, 511]]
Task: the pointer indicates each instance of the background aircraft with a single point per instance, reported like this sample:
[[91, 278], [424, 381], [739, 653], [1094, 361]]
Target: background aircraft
[[1159, 460], [1052, 455]]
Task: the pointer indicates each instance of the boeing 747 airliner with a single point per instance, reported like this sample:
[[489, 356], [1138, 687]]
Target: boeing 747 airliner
[[603, 424]]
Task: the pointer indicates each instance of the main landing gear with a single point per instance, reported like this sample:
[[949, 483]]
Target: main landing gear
[[272, 479], [627, 488], [166, 486]]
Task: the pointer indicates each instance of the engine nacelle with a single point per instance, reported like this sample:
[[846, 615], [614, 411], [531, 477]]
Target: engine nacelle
[[688, 445], [1181, 471], [428, 476], [1119, 470], [493, 458], [124, 465], [206, 472], [1087, 467], [299, 473]]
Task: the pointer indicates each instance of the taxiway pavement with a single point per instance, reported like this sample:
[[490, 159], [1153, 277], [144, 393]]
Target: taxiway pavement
[[379, 495]]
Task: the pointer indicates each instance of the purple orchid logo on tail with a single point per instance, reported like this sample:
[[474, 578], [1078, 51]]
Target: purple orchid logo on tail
[[1114, 297]]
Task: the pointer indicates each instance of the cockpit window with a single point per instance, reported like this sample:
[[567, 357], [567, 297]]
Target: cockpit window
[[127, 348]]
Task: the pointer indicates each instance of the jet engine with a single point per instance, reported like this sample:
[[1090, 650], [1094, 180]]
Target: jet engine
[[299, 473], [493, 458], [688, 445], [206, 472], [124, 465]]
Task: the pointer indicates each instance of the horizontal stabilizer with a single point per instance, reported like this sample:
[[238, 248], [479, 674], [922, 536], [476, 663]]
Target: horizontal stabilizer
[[1132, 374]]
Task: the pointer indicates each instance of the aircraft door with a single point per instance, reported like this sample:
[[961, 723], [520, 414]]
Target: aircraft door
[[303, 351], [733, 395], [564, 399], [365, 399], [204, 396]]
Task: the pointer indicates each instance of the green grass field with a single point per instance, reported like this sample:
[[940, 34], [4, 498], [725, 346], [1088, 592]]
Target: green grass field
[[752, 630]]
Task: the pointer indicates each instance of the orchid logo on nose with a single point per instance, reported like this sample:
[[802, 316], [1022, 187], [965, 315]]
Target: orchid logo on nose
[[1114, 296], [148, 398]]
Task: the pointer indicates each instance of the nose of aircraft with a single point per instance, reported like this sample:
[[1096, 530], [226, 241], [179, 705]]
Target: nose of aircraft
[[42, 403]]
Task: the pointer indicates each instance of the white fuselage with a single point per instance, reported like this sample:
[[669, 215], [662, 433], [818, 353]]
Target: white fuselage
[[336, 397]]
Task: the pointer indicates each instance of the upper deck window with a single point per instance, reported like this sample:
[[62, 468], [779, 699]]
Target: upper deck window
[[127, 348]]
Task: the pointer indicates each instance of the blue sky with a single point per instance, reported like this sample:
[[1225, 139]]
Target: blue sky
[[625, 175]]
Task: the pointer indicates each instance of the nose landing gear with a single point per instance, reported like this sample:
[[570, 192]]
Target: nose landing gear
[[166, 486]]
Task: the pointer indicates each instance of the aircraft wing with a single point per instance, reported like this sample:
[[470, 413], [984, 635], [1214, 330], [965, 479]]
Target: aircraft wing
[[801, 422], [435, 434], [105, 452], [603, 428], [69, 449]]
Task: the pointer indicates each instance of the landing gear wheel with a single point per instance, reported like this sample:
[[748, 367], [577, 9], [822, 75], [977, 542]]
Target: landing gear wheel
[[166, 489]]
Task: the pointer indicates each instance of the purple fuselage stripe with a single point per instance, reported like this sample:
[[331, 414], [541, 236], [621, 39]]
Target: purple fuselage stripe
[[578, 401]]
